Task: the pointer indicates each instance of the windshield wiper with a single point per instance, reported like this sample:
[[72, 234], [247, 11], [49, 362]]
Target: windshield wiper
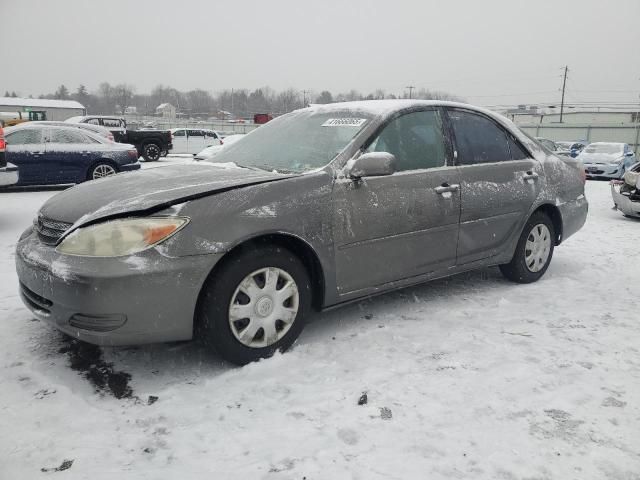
[[269, 168]]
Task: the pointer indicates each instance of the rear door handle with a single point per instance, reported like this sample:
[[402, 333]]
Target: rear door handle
[[530, 176], [445, 187]]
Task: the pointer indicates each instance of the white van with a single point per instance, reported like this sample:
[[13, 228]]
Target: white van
[[193, 140]]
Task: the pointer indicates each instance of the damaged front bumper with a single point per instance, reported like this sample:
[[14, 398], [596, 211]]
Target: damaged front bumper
[[131, 300]]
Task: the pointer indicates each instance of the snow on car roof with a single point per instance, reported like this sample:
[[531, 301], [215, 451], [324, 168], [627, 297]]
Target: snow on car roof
[[39, 102], [383, 107]]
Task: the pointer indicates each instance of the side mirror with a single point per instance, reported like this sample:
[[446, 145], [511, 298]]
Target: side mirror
[[372, 164], [628, 154]]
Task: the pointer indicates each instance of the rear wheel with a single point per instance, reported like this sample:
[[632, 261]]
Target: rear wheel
[[534, 251], [254, 305], [101, 170], [151, 152]]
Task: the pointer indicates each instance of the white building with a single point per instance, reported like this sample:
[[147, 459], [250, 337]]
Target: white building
[[54, 109], [166, 110]]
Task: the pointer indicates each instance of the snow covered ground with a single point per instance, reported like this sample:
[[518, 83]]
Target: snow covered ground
[[470, 377]]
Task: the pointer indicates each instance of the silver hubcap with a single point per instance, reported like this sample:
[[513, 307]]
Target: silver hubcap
[[537, 248], [103, 171], [263, 307]]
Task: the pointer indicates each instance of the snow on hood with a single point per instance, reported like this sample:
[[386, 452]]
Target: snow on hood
[[600, 157], [142, 191]]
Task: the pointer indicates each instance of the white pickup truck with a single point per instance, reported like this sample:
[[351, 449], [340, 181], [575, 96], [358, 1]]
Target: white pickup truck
[[8, 171]]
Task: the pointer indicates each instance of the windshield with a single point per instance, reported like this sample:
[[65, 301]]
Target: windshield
[[297, 142], [609, 148]]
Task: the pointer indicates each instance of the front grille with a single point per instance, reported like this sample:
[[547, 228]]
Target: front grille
[[35, 301], [50, 231]]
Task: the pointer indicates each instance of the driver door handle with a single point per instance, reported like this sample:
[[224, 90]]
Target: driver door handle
[[445, 187]]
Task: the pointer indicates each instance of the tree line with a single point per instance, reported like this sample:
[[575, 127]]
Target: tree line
[[235, 103]]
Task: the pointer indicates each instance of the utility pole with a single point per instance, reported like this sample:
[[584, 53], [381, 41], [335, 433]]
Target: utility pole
[[232, 101], [410, 87], [564, 84], [304, 98]]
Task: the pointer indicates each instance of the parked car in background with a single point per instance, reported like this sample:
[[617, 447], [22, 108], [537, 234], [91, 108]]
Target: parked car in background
[[571, 149], [210, 152], [626, 193], [607, 160], [97, 129], [149, 143], [8, 171], [326, 205], [48, 155], [548, 144], [192, 140]]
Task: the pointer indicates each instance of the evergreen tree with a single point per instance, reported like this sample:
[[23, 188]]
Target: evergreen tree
[[62, 93]]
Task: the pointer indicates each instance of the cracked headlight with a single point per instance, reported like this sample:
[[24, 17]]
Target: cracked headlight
[[121, 237]]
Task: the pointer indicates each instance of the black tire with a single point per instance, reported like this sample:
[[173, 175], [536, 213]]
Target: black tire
[[151, 152], [93, 172], [517, 270], [163, 153], [212, 320]]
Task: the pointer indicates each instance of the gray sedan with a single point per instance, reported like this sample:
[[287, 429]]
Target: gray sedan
[[318, 208]]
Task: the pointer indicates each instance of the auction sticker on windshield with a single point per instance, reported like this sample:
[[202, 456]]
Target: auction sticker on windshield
[[344, 122]]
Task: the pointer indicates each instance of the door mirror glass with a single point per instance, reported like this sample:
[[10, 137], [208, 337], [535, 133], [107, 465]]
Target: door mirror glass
[[629, 154], [372, 164]]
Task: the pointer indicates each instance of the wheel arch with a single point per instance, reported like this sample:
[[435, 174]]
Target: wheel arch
[[299, 247], [554, 214]]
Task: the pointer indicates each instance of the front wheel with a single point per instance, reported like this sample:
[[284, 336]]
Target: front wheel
[[255, 304], [533, 252], [151, 152]]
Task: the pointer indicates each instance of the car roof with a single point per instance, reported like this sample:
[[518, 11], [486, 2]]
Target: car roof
[[384, 107], [31, 125]]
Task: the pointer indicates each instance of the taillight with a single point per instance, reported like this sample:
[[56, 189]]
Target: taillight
[[3, 144]]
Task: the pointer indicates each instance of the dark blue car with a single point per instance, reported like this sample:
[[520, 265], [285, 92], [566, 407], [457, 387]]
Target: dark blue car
[[48, 155]]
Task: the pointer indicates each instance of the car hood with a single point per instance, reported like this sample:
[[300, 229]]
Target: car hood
[[148, 190], [600, 157]]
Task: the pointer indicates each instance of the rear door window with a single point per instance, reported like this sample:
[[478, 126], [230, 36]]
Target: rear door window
[[478, 139], [112, 123], [93, 121], [516, 150], [69, 136]]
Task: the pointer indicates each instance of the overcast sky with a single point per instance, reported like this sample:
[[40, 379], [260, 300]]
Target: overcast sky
[[490, 51]]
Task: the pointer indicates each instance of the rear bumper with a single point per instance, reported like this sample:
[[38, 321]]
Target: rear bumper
[[574, 214], [623, 203], [132, 300], [8, 175]]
